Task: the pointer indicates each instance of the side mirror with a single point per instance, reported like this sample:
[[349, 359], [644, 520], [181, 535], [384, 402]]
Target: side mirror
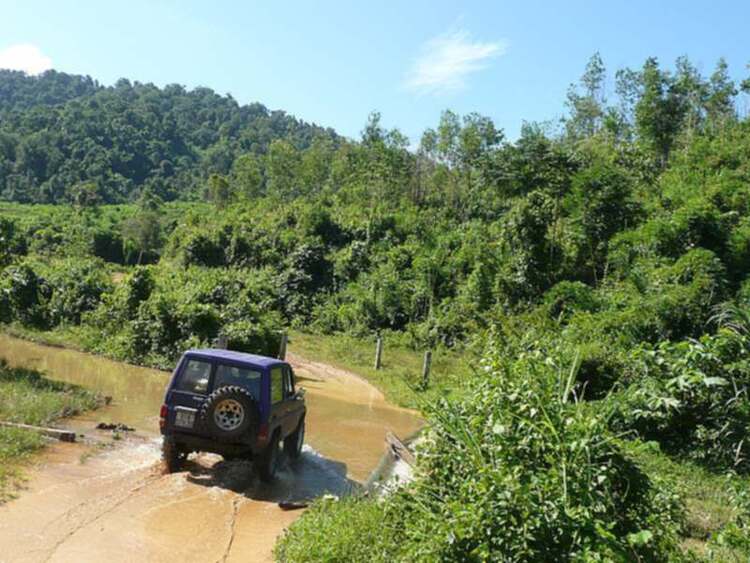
[[300, 394]]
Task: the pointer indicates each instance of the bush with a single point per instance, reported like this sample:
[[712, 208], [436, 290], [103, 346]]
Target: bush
[[692, 397], [517, 470], [567, 297], [520, 471], [339, 532], [77, 287], [26, 294], [108, 245], [12, 244], [253, 337], [601, 367]]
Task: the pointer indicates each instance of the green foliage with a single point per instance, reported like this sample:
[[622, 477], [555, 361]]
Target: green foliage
[[67, 138], [151, 317], [692, 396], [11, 244], [353, 531], [76, 287], [25, 295], [614, 242], [567, 297], [735, 535], [516, 470]]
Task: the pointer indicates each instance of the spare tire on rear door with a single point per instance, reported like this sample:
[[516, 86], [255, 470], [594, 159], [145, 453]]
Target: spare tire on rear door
[[229, 413]]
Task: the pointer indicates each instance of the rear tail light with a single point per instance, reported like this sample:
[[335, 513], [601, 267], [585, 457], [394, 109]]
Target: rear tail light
[[263, 433], [163, 416]]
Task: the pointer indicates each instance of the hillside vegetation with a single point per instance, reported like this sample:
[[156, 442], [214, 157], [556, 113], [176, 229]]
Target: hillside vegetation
[[66, 138], [600, 270]]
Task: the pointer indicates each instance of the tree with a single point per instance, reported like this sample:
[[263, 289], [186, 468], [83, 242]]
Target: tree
[[219, 190], [745, 84], [628, 87], [721, 93], [384, 164], [461, 145], [85, 195], [247, 175], [586, 101], [316, 165], [282, 170], [693, 90], [10, 243], [602, 197], [143, 230], [660, 110]]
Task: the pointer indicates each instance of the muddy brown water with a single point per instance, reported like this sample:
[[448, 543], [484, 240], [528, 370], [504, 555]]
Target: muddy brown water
[[111, 502]]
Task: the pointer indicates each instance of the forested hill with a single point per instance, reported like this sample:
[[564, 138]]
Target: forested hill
[[59, 132]]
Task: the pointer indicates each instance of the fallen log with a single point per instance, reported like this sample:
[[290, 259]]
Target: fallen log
[[399, 449], [62, 435]]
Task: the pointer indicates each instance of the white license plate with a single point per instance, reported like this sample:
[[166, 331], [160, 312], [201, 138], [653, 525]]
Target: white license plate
[[184, 418]]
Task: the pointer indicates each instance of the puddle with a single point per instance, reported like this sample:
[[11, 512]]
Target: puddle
[[117, 506]]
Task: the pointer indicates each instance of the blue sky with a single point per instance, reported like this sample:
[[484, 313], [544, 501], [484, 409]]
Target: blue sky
[[332, 62]]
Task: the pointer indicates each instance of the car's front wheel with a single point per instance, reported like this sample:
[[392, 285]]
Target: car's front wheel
[[268, 462], [294, 442]]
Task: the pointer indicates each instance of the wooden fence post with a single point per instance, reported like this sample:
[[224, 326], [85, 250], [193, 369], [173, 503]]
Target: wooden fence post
[[426, 369], [378, 352], [282, 346]]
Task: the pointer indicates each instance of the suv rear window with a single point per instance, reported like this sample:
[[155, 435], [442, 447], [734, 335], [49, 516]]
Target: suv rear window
[[194, 378], [244, 377]]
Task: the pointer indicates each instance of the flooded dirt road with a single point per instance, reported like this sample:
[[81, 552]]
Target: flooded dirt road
[[111, 502]]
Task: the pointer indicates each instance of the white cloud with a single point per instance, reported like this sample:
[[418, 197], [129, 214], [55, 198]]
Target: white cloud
[[25, 57], [446, 61]]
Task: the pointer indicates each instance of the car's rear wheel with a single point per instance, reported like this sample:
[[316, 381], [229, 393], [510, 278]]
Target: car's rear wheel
[[294, 442], [172, 455], [267, 463]]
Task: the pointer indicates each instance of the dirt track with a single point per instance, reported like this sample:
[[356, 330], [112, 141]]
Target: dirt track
[[115, 504]]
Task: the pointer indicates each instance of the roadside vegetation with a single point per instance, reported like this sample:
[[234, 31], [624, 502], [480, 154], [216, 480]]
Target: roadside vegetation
[[585, 290], [27, 397], [400, 374]]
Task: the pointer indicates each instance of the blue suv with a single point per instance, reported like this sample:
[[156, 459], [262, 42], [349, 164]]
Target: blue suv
[[233, 404]]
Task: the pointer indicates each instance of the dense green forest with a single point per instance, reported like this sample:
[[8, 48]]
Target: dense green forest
[[64, 138], [601, 266]]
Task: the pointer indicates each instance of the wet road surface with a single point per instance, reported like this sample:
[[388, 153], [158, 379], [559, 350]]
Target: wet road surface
[[112, 502]]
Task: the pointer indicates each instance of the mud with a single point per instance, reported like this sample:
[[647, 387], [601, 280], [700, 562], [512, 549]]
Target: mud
[[88, 503]]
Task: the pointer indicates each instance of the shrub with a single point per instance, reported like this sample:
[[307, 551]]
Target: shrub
[[601, 367], [520, 471], [108, 245], [339, 532], [11, 242], [27, 294], [77, 287], [567, 297], [516, 470], [254, 337], [692, 397], [736, 534]]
